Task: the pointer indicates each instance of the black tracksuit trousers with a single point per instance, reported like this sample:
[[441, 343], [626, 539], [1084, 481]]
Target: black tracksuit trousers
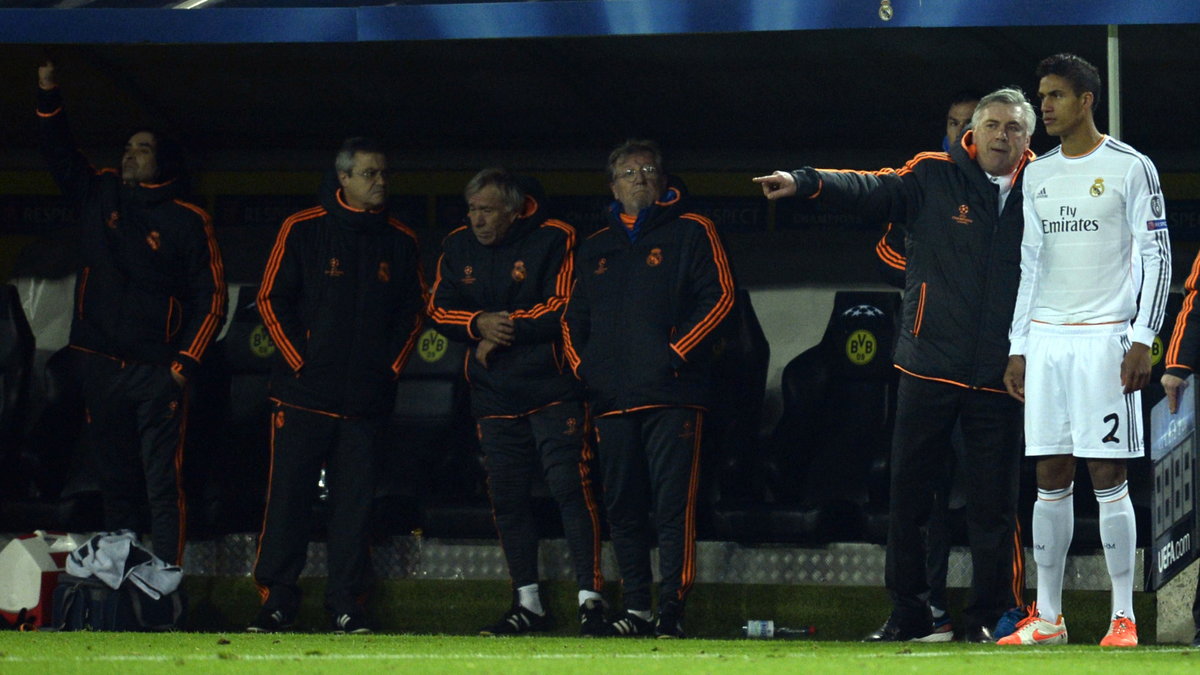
[[991, 426], [301, 442], [650, 464], [137, 417], [552, 441]]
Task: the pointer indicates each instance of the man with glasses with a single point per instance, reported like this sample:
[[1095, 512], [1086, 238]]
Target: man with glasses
[[961, 212], [342, 300], [651, 290], [502, 282]]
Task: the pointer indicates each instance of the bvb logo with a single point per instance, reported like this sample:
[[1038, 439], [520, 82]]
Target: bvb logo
[[431, 346], [260, 342], [655, 257], [861, 347], [1156, 351], [1097, 188]]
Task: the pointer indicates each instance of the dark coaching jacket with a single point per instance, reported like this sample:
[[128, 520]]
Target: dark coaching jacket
[[963, 257], [341, 298], [527, 275], [642, 320], [152, 286], [1183, 352]]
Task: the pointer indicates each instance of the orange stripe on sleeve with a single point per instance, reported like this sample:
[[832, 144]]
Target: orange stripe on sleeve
[[217, 308], [1189, 302], [562, 280], [721, 309], [265, 307]]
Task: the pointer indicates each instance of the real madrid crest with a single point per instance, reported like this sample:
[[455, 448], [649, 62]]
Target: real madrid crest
[[1097, 188], [518, 271], [468, 275], [655, 257]]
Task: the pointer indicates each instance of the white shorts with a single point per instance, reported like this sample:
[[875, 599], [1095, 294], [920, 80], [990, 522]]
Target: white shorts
[[1074, 401]]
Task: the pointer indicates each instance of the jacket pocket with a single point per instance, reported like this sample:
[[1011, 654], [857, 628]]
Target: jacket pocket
[[920, 317]]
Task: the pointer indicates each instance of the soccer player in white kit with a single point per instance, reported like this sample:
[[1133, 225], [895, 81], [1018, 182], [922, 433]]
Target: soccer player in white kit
[[1095, 274]]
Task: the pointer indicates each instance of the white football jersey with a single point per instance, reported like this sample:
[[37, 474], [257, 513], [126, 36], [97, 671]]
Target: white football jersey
[[1095, 248]]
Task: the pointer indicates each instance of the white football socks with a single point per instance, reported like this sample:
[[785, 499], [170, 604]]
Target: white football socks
[[1053, 529], [1118, 533]]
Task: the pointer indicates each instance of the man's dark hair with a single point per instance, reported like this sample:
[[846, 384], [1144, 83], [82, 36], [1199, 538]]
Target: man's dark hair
[[344, 162], [964, 96], [168, 155], [1082, 75]]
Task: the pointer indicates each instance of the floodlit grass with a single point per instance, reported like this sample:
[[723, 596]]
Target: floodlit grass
[[127, 653]]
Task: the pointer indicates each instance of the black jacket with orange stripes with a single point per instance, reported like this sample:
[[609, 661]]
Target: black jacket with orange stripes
[[963, 257], [644, 316], [527, 275], [1183, 353], [342, 298], [152, 286]]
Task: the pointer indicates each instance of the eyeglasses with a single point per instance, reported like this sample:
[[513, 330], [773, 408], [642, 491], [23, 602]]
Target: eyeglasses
[[649, 171], [372, 174]]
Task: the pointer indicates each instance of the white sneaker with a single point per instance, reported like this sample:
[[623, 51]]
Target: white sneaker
[[1034, 630]]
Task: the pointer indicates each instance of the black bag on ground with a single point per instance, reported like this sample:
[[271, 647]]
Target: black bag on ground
[[86, 603]]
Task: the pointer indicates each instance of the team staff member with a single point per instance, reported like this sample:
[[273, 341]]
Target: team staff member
[[1183, 359], [650, 290], [961, 212], [148, 302], [502, 283], [892, 265], [1095, 275], [342, 300]]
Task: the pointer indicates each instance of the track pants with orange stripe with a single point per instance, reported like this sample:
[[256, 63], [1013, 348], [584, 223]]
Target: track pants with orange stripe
[[301, 442], [650, 464], [926, 413], [136, 422], [551, 441]]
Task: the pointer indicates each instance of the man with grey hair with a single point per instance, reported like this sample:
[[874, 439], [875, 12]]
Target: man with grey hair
[[502, 282], [961, 212], [342, 300]]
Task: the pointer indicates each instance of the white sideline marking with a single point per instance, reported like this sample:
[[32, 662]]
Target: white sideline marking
[[117, 658]]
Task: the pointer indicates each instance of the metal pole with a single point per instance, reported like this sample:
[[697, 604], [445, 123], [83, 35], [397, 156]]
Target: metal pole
[[1114, 83]]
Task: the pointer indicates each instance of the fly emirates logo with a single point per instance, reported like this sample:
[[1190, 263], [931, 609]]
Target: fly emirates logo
[[1068, 222]]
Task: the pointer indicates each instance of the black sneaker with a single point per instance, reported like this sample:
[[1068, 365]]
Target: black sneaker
[[1196, 640], [591, 618], [670, 620], [630, 625], [350, 623], [891, 632], [518, 621], [271, 620]]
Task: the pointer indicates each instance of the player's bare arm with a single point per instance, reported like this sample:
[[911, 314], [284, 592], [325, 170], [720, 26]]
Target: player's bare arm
[[1014, 377], [1135, 368]]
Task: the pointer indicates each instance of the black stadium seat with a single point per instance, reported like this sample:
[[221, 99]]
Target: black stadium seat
[[431, 455], [16, 363], [732, 468], [244, 356], [833, 439]]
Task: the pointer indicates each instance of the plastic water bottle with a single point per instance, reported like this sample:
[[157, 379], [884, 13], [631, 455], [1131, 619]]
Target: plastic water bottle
[[767, 630]]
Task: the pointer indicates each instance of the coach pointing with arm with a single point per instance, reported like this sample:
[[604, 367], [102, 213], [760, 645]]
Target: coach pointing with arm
[[961, 212]]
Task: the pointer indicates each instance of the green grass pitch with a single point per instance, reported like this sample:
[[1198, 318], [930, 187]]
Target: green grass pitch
[[127, 653]]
